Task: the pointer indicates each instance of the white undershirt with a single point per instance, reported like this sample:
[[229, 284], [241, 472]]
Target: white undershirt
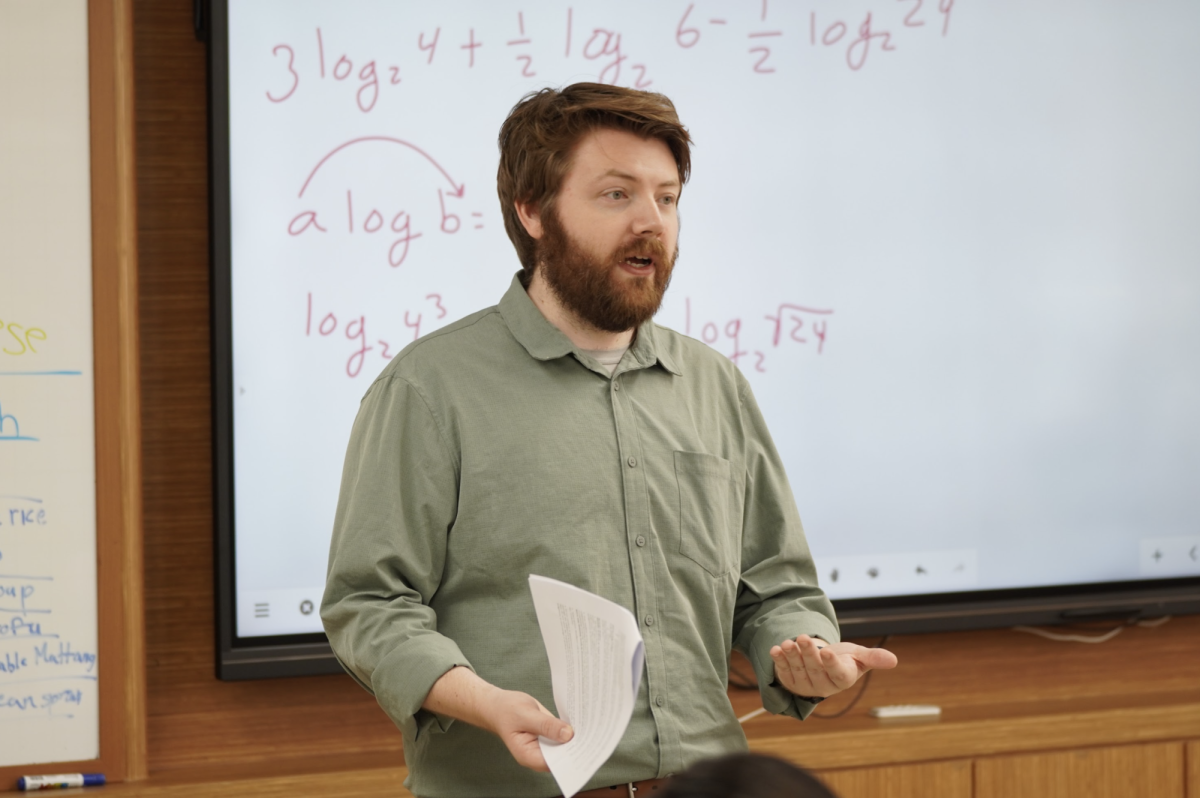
[[609, 358]]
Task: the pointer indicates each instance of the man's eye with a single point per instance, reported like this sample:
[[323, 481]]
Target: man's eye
[[668, 200], [616, 194]]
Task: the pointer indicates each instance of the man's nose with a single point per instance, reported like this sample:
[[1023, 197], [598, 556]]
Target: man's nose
[[648, 220]]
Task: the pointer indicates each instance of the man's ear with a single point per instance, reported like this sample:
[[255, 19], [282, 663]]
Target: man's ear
[[530, 215]]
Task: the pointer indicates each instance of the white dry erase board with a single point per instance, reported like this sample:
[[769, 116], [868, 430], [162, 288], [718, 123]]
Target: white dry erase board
[[953, 244], [49, 669]]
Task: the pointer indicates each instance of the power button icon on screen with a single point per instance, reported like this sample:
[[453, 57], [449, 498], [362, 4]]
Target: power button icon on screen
[[306, 607]]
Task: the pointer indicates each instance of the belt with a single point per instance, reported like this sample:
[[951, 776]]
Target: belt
[[640, 789]]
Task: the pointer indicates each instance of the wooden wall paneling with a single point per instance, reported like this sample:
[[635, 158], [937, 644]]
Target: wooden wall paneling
[[983, 730], [1117, 772], [1000, 666], [927, 780], [1003, 691], [193, 718], [1003, 667], [1193, 769]]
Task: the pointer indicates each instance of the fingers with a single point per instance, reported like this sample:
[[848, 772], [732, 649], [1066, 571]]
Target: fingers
[[821, 666], [529, 716], [842, 670], [810, 667], [878, 658], [801, 667], [520, 721], [552, 728], [802, 654], [528, 753]]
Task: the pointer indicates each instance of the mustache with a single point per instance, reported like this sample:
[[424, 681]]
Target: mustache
[[643, 248]]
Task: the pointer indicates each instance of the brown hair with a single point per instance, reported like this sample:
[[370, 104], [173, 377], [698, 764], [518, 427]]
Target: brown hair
[[541, 131]]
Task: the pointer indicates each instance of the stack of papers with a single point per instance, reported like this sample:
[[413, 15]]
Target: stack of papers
[[596, 655]]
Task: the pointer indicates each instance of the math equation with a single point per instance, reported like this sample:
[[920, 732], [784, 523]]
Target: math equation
[[857, 33], [854, 35], [751, 343], [324, 322], [320, 212]]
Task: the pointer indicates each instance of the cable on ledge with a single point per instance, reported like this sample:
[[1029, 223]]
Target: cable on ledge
[[1103, 637], [752, 715]]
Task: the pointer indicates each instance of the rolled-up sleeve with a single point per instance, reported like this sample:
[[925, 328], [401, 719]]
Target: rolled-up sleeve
[[398, 501], [778, 597]]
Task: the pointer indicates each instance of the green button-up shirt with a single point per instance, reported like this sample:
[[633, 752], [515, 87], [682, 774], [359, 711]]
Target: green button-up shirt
[[493, 449]]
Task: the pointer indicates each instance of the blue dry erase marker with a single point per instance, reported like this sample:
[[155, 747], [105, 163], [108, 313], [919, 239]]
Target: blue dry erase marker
[[60, 781]]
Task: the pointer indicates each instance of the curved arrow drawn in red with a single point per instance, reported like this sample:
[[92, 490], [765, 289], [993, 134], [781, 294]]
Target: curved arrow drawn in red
[[458, 190]]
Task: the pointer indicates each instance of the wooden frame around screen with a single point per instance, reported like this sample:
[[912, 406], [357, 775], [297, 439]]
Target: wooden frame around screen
[[121, 637]]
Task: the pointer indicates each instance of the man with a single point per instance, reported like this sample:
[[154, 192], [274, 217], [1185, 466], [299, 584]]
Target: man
[[565, 434]]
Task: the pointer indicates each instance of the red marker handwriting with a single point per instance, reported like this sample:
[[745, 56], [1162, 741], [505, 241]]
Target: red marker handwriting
[[525, 59], [329, 326], [470, 47], [789, 323], [378, 220], [291, 68], [457, 189]]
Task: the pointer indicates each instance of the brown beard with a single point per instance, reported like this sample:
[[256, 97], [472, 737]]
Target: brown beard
[[589, 286]]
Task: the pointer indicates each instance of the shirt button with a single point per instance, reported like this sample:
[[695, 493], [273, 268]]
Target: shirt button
[[659, 700], [641, 540], [616, 385], [632, 461], [649, 620]]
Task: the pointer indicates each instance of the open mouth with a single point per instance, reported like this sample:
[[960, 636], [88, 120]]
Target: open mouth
[[638, 262]]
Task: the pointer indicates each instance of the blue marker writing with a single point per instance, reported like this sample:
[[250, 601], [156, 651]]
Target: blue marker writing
[[61, 781]]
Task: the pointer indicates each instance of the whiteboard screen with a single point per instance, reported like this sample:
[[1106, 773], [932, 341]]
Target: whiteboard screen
[[953, 245]]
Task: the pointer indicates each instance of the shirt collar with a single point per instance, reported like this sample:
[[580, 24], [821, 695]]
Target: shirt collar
[[543, 341]]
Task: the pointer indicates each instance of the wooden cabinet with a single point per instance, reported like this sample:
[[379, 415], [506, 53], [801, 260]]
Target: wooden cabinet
[[1155, 770], [1126, 771], [927, 780]]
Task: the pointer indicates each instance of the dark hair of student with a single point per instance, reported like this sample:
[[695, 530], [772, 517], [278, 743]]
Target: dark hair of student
[[745, 776]]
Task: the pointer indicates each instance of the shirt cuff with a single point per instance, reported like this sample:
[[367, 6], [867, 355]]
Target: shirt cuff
[[403, 679], [776, 698]]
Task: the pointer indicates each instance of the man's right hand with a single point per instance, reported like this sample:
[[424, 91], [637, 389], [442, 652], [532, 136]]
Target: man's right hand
[[517, 718]]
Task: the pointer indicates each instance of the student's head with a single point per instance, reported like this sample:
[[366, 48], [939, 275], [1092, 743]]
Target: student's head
[[745, 776], [589, 179]]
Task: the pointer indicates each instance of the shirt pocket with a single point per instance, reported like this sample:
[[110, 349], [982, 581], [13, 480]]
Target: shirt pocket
[[705, 497]]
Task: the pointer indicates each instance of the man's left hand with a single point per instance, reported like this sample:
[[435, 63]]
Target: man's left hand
[[812, 668]]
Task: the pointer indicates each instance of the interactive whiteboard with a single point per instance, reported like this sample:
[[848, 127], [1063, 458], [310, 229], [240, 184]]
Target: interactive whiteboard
[[952, 244], [48, 635]]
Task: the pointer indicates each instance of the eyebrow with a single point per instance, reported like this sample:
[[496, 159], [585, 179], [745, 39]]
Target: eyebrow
[[631, 178]]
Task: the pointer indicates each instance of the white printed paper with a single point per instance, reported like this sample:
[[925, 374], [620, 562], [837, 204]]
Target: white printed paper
[[596, 655]]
